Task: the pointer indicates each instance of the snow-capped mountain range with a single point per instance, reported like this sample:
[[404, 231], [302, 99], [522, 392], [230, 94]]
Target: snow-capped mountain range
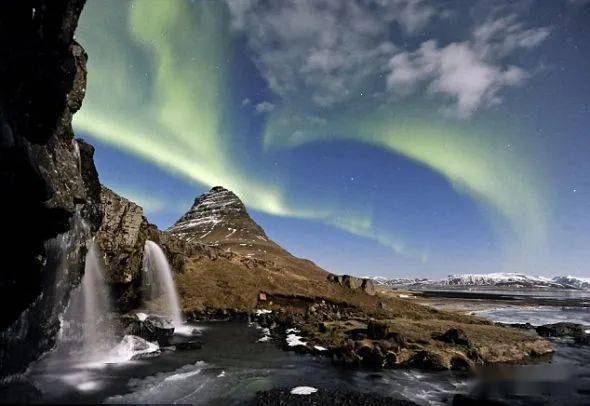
[[515, 280]]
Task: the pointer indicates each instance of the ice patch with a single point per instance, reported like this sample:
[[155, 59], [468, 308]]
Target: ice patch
[[221, 374], [291, 330], [260, 312], [536, 315], [266, 335], [404, 296], [303, 390], [295, 341], [320, 348], [141, 316]]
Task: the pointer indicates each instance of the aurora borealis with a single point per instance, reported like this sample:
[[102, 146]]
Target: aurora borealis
[[400, 138]]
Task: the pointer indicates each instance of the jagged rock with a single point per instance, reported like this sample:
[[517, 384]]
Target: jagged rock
[[45, 172], [119, 237], [563, 329]]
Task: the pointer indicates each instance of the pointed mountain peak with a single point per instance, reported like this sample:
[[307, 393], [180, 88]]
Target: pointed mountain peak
[[218, 216]]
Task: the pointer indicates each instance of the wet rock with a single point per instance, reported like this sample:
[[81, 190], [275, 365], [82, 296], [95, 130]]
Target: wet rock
[[374, 357], [430, 360], [42, 173], [134, 348], [563, 329], [157, 328]]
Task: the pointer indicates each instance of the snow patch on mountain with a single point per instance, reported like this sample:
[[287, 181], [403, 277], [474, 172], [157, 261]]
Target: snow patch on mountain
[[500, 279], [573, 281]]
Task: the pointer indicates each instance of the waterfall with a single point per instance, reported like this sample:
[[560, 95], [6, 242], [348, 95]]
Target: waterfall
[[86, 327], [158, 283], [97, 302]]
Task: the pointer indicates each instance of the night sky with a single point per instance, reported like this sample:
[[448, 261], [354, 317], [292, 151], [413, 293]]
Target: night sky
[[375, 137]]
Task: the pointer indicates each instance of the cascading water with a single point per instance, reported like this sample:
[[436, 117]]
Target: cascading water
[[97, 303], [86, 323], [158, 283]]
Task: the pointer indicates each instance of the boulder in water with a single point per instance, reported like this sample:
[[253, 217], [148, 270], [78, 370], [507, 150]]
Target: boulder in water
[[157, 328], [150, 327], [133, 347]]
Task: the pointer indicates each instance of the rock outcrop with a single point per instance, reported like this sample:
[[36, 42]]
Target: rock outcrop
[[353, 283], [50, 178], [121, 238], [409, 337]]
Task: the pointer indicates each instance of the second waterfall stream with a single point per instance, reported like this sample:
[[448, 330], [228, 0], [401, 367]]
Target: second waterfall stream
[[159, 286]]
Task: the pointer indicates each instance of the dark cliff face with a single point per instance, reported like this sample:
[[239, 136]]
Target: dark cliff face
[[121, 238], [50, 206]]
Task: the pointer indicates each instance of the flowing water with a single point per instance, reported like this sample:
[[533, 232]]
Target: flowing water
[[159, 284], [233, 365], [87, 332]]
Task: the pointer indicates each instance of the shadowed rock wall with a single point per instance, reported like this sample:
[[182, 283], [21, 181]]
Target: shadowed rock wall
[[49, 203]]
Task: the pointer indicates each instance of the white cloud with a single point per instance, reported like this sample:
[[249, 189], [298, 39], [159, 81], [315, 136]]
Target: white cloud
[[456, 71], [265, 107], [472, 74], [411, 15], [320, 54], [246, 101], [498, 37], [325, 51]]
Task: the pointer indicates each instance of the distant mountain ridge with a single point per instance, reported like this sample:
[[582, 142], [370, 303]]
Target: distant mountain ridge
[[515, 280]]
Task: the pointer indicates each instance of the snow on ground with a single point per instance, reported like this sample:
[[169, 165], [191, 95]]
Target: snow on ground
[[260, 312], [303, 390], [294, 340], [265, 335]]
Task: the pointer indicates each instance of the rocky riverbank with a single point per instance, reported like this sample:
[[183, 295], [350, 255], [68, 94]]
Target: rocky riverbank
[[423, 339]]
